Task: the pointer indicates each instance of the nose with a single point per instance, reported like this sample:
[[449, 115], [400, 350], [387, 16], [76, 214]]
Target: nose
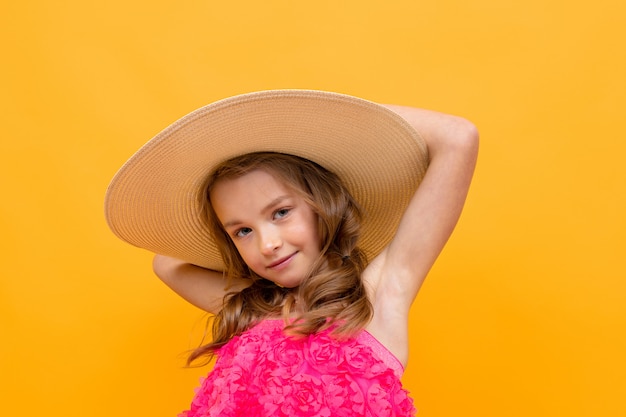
[[270, 241]]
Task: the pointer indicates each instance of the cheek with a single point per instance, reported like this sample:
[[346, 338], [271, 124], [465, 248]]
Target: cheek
[[309, 231], [245, 253], [316, 230]]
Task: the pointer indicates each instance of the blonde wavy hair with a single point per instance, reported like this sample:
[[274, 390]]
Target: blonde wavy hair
[[332, 295]]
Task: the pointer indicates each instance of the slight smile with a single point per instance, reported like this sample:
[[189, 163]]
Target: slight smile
[[281, 263]]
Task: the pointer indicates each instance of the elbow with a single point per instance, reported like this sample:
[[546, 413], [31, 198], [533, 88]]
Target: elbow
[[472, 136], [164, 267], [471, 142], [159, 266], [465, 134], [462, 139]]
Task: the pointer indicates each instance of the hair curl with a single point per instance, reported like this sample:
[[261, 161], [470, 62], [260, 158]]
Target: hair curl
[[333, 293]]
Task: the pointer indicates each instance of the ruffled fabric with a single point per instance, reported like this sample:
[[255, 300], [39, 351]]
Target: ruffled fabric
[[263, 372]]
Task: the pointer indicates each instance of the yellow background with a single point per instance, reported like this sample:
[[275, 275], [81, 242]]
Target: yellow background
[[523, 315]]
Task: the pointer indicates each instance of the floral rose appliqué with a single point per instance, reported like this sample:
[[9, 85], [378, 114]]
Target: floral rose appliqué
[[264, 373], [302, 396], [323, 353], [360, 360], [343, 395], [286, 354]]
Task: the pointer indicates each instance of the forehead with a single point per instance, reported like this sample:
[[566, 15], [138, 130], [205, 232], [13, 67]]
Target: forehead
[[257, 180], [249, 193]]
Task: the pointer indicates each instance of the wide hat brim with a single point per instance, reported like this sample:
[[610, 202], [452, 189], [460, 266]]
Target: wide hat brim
[[154, 200]]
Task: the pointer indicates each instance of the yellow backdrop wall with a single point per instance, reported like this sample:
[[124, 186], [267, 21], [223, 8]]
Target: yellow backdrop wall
[[524, 313]]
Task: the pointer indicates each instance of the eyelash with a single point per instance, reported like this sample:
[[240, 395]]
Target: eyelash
[[237, 233], [284, 210], [275, 215]]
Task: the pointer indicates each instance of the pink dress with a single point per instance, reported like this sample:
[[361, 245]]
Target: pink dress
[[263, 372]]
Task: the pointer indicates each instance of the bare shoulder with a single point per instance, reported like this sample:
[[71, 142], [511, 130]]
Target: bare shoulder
[[389, 324], [395, 276]]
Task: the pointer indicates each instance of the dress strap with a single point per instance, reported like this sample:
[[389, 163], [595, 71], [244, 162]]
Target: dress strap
[[382, 352]]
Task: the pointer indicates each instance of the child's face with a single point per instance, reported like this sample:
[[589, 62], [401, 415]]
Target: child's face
[[273, 228]]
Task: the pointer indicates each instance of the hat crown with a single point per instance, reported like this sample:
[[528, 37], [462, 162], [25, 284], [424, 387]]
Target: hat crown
[[155, 199]]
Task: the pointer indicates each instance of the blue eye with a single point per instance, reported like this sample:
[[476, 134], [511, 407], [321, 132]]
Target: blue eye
[[280, 213], [243, 232]]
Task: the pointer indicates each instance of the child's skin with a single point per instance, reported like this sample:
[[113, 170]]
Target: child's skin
[[274, 231]]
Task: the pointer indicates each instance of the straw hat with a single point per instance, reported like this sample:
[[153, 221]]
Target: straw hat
[[153, 201]]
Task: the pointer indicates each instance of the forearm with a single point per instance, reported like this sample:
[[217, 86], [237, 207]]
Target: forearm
[[201, 287], [436, 206]]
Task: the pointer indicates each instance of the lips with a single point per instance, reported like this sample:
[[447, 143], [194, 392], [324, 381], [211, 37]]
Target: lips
[[282, 262]]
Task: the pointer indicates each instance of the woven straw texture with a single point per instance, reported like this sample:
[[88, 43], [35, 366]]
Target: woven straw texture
[[154, 200]]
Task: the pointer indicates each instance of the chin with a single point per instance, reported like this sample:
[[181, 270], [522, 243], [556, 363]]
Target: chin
[[288, 284]]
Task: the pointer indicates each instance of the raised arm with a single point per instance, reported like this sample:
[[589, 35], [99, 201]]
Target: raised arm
[[202, 287], [396, 275], [437, 204]]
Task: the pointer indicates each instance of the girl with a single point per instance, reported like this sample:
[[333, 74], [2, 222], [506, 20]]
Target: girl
[[296, 219]]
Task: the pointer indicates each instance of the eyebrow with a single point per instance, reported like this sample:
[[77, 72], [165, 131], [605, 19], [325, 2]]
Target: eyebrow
[[267, 207]]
